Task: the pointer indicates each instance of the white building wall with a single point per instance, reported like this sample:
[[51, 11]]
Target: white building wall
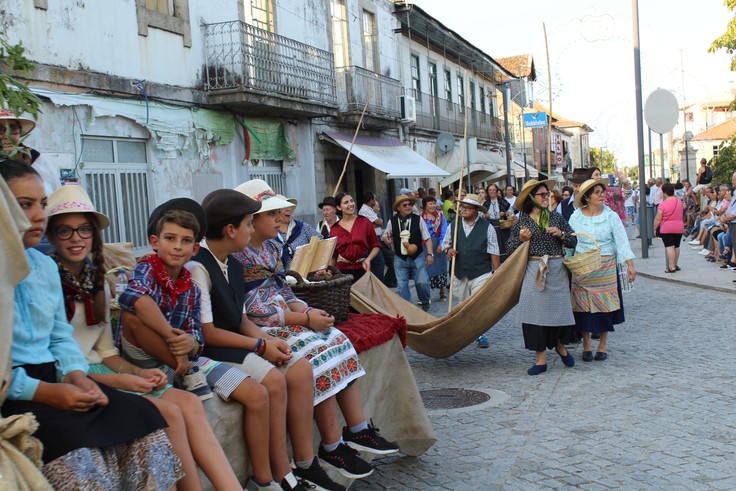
[[306, 21]]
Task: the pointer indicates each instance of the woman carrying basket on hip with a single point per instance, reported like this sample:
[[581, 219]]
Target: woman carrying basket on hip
[[544, 303], [596, 296]]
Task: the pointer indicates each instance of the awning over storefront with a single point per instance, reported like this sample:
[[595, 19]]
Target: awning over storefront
[[483, 165], [387, 155], [518, 169]]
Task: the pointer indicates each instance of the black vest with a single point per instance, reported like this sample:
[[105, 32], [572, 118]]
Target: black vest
[[227, 300], [415, 234], [473, 259], [568, 207]]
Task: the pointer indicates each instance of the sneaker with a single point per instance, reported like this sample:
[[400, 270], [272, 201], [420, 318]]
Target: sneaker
[[694, 242], [369, 441], [252, 486], [346, 461], [728, 265], [483, 342], [317, 477], [194, 381], [290, 483], [704, 252]]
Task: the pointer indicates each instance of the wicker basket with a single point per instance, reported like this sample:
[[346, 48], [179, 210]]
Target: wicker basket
[[584, 262], [332, 296], [508, 223]]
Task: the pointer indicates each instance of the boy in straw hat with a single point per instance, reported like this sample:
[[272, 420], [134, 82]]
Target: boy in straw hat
[[407, 233]]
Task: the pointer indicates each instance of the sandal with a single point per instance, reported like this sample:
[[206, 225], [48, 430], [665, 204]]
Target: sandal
[[668, 270]]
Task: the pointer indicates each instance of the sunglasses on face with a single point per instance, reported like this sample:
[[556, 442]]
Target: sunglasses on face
[[542, 195]]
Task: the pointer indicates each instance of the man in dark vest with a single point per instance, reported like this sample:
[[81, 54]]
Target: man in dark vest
[[407, 233], [567, 206], [476, 253], [230, 336]]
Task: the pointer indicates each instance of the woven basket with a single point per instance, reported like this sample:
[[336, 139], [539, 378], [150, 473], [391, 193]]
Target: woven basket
[[332, 296], [508, 223], [584, 262]]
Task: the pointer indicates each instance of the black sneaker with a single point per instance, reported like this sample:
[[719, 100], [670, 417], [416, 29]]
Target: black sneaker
[[317, 477], [291, 483], [346, 461], [369, 440]]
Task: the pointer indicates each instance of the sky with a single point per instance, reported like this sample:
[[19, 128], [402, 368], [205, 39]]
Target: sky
[[591, 55]]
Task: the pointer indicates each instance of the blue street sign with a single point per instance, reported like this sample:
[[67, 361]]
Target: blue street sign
[[535, 120]]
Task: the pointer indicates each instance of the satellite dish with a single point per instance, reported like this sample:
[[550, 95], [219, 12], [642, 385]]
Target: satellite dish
[[445, 142]]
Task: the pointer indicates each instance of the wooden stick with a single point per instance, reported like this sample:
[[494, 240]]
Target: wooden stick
[[549, 117], [457, 209], [350, 150]]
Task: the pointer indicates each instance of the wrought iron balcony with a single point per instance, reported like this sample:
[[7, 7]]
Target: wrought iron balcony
[[442, 115], [356, 86], [241, 57]]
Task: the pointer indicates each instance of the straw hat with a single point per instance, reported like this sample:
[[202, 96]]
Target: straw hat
[[26, 125], [400, 199], [587, 186], [259, 190], [293, 201], [528, 187], [74, 199], [473, 199]]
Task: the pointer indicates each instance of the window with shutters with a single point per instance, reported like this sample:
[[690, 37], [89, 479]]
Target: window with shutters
[[115, 174]]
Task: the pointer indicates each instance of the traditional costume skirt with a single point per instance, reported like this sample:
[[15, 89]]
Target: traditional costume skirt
[[334, 361], [545, 314], [122, 442], [596, 298], [438, 270]]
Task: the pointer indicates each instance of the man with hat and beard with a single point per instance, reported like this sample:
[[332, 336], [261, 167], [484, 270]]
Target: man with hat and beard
[[567, 207], [406, 232], [329, 216], [476, 253]]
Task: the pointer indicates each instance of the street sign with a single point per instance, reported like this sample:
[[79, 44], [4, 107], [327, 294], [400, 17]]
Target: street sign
[[535, 120], [661, 111]]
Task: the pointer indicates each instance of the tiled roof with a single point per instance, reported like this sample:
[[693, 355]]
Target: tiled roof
[[519, 65], [722, 131]]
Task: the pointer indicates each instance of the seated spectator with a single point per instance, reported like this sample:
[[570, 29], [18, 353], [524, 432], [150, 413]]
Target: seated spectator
[[92, 434], [292, 233]]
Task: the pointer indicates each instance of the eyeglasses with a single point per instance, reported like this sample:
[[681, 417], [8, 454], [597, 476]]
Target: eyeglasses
[[13, 129], [542, 195], [598, 192], [65, 233], [463, 207]]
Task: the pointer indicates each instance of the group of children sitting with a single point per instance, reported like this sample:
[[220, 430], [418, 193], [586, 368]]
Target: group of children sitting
[[211, 292]]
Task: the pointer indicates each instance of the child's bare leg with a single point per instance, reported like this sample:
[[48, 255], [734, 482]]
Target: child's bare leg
[[300, 409], [351, 405], [140, 335], [254, 398], [177, 434], [206, 449], [275, 385], [325, 414]]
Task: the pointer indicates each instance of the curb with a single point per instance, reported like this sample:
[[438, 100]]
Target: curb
[[687, 283]]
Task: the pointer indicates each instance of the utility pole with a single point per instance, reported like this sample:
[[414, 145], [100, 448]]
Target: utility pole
[[643, 224]]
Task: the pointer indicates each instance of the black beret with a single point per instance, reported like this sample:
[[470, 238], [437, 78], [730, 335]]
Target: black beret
[[223, 204], [182, 204]]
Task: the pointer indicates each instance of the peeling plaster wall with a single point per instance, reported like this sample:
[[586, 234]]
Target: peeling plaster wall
[[62, 36], [306, 21]]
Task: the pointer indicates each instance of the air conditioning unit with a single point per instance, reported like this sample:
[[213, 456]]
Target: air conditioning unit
[[408, 108]]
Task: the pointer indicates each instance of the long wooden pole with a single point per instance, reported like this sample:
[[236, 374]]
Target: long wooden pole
[[549, 116], [457, 210], [350, 150]]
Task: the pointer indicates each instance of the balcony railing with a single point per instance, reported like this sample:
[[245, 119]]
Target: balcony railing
[[442, 115], [241, 56], [357, 85]]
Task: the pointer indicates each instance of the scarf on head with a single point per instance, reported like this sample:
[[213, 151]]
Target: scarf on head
[[172, 288], [543, 216], [82, 288]]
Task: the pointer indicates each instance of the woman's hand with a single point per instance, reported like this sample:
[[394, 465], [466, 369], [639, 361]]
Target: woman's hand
[[430, 259], [554, 231], [154, 375], [319, 320], [439, 249], [80, 379], [631, 272], [65, 396], [525, 234], [134, 383], [365, 263]]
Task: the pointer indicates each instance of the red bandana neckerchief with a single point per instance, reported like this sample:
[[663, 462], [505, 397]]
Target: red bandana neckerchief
[[170, 287]]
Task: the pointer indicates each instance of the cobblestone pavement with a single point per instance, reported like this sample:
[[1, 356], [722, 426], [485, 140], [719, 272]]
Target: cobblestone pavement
[[657, 414]]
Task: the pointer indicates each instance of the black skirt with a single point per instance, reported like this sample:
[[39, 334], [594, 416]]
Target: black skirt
[[542, 338], [126, 418]]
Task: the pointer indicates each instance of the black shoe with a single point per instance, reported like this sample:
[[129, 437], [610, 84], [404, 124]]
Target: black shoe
[[291, 483], [600, 355], [369, 441], [587, 356], [317, 477], [346, 461]]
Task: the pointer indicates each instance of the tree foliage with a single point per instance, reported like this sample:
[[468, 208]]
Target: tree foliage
[[727, 41], [16, 95], [609, 160], [724, 164]]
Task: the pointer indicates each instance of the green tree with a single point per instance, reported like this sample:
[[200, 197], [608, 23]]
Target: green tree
[[16, 95], [609, 160], [727, 41], [724, 164], [632, 173]]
